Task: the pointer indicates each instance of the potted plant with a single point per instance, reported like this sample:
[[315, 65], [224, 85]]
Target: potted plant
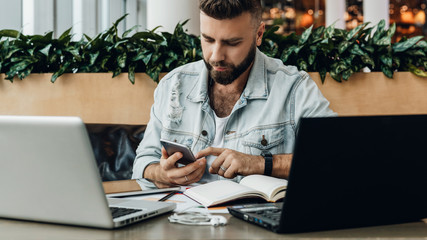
[[327, 53], [86, 87], [342, 53]]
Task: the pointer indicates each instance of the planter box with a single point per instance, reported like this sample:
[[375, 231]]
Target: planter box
[[375, 94], [95, 97], [99, 98]]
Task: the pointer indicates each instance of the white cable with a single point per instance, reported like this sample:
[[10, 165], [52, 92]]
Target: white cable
[[197, 218]]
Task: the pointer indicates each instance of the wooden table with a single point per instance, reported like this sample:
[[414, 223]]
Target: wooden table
[[160, 228]]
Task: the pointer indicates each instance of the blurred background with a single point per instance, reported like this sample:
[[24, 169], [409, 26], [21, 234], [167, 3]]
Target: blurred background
[[94, 16]]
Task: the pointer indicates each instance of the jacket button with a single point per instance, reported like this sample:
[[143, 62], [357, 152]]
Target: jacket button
[[264, 141], [204, 133]]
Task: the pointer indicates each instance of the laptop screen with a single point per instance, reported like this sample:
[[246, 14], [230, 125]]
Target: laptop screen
[[357, 171]]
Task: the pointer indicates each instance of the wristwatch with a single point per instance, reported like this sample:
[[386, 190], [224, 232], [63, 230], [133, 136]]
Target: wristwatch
[[268, 162]]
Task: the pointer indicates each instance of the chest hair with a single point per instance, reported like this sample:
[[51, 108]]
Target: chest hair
[[223, 104]]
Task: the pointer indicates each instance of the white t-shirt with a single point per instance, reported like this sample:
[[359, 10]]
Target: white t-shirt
[[218, 142]]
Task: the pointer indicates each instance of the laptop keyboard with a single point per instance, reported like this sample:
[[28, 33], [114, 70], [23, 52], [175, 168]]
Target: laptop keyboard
[[264, 214], [273, 214], [118, 212]]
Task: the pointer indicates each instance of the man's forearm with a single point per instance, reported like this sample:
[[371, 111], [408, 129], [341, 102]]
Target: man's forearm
[[281, 165]]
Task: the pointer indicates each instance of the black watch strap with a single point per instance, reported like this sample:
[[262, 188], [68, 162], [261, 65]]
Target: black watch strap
[[268, 169]]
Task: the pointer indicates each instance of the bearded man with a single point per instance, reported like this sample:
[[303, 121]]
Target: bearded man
[[237, 109]]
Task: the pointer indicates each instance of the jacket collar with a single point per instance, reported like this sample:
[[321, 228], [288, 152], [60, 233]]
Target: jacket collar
[[256, 87]]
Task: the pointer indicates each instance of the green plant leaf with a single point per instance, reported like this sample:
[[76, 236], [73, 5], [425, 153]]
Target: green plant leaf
[[93, 57], [154, 72], [88, 38], [131, 73], [346, 74], [117, 71], [322, 73], [104, 62], [368, 48], [379, 33], [318, 32], [405, 45], [171, 58], [354, 31], [356, 50], [65, 35], [129, 31], [387, 60], [25, 73], [285, 55], [416, 53], [147, 35], [11, 52], [335, 75], [329, 32], [45, 50], [343, 46], [341, 66], [20, 66], [385, 41], [147, 58], [302, 65], [61, 71], [396, 62], [368, 60], [311, 58], [116, 23], [422, 44], [413, 69], [305, 35], [387, 71], [122, 60], [391, 30], [9, 33]]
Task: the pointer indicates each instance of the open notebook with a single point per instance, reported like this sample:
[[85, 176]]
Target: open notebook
[[49, 173]]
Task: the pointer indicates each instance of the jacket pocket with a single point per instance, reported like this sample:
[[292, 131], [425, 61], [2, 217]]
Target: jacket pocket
[[193, 141], [272, 139], [178, 137]]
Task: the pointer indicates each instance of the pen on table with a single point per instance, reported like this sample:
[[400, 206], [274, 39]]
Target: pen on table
[[169, 195]]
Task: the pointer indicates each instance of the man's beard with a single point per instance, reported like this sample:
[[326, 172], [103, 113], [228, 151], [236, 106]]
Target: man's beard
[[232, 72]]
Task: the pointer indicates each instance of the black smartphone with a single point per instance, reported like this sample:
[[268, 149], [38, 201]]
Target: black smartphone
[[173, 147]]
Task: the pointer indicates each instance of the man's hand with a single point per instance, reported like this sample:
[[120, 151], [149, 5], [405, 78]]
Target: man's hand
[[167, 174], [230, 163]]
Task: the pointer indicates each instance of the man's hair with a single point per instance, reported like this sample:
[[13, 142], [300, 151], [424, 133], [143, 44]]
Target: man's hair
[[228, 9]]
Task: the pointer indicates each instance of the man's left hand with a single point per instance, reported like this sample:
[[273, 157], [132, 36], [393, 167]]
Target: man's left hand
[[230, 163]]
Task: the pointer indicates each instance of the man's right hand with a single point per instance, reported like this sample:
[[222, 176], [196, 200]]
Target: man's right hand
[[168, 174]]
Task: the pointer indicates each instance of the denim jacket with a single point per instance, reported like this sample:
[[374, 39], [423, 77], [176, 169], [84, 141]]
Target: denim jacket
[[264, 118]]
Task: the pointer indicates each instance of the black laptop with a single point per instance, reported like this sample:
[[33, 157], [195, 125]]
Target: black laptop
[[350, 172]]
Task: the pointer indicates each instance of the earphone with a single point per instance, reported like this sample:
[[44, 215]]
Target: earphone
[[198, 218], [218, 220]]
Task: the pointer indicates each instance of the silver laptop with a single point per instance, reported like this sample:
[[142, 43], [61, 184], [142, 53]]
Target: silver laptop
[[48, 173]]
